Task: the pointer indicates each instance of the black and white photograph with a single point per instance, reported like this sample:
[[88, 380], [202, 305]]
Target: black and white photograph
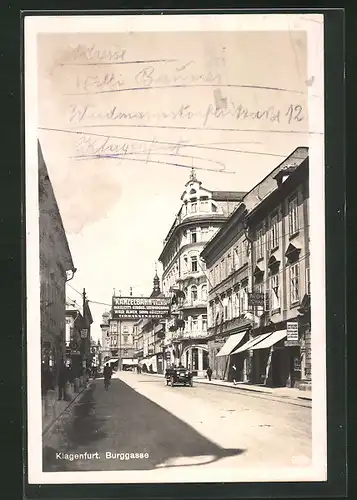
[[175, 255]]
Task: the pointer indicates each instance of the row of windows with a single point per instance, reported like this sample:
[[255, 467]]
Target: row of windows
[[234, 260], [198, 206], [272, 235], [236, 304], [124, 328], [196, 323], [194, 293]]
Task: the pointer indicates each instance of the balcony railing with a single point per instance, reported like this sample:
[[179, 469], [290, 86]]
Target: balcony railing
[[191, 304], [195, 334]]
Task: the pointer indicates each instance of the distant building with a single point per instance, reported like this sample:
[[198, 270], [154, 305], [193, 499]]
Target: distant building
[[56, 267], [118, 347], [259, 285], [149, 338], [201, 215], [106, 340]]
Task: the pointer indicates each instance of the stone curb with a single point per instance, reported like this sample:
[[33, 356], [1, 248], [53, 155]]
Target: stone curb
[[75, 399], [246, 388]]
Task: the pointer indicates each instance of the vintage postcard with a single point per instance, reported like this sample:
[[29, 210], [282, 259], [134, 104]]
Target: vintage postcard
[[175, 248]]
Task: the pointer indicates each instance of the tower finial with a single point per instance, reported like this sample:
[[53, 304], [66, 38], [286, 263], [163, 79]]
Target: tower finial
[[193, 174], [155, 267]]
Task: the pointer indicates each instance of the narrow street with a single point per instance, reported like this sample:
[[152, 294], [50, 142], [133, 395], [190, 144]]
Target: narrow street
[[141, 424]]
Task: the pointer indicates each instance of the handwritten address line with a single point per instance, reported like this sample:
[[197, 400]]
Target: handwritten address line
[[78, 132]]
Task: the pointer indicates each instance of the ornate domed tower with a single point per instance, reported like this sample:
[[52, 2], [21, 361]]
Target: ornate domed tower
[[156, 291]]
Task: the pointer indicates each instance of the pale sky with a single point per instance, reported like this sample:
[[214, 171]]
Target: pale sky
[[117, 212]]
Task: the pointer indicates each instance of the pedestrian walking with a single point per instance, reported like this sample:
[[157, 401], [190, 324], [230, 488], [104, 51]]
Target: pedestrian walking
[[62, 381], [107, 376], [209, 373], [234, 374]]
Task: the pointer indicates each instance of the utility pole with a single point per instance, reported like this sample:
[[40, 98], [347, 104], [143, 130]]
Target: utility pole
[[84, 297]]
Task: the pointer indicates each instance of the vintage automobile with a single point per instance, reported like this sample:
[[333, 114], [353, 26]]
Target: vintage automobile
[[178, 375]]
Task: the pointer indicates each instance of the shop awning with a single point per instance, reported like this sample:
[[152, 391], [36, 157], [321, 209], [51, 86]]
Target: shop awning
[[271, 340], [130, 361], [231, 343], [113, 360], [251, 342]]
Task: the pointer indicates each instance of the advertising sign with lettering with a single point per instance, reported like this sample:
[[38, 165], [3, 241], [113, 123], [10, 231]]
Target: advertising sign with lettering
[[292, 328], [256, 299], [140, 307]]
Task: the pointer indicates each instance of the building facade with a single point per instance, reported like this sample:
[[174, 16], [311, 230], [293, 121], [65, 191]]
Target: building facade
[[201, 214], [149, 338], [259, 307], [279, 227], [118, 346], [56, 267], [78, 338]]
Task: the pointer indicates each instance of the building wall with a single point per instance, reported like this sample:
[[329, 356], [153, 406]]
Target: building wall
[[201, 215], [55, 261], [255, 252]]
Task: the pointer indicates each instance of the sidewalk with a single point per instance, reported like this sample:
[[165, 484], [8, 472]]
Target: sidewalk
[[53, 409], [279, 392]]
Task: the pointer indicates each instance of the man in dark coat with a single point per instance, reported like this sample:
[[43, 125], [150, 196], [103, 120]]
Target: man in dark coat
[[209, 373], [107, 376], [62, 380]]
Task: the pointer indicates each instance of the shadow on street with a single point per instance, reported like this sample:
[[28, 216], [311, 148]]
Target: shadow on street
[[121, 421]]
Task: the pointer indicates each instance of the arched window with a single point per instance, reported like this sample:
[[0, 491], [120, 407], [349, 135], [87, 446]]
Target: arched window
[[193, 293], [214, 208], [193, 191], [204, 293]]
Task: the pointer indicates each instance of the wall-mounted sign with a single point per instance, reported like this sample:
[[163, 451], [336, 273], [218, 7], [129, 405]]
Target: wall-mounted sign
[[292, 329], [84, 333], [256, 299], [291, 343], [140, 307]]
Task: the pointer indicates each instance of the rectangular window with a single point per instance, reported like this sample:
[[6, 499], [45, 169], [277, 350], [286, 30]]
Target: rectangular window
[[194, 207], [194, 265], [223, 269], [274, 232], [125, 339], [236, 258], [204, 322], [294, 284], [211, 277], [259, 243], [308, 284], [275, 292], [194, 323], [216, 275], [125, 329], [193, 236], [293, 216]]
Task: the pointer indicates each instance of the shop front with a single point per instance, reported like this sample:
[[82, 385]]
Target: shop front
[[229, 366], [195, 358]]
